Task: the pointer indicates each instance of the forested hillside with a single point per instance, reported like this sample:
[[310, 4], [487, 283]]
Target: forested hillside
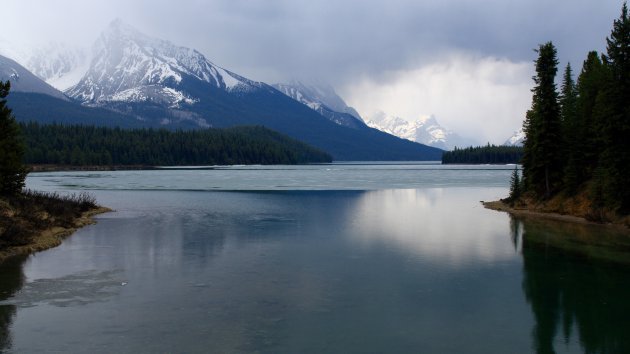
[[489, 154], [89, 145], [578, 140]]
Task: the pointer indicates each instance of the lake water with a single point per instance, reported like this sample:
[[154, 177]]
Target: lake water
[[341, 258]]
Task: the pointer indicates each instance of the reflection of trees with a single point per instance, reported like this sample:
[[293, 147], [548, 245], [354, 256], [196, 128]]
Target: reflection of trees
[[11, 280], [516, 227], [569, 292]]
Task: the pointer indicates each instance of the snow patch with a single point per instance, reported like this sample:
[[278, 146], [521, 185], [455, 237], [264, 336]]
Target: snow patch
[[425, 130], [517, 139]]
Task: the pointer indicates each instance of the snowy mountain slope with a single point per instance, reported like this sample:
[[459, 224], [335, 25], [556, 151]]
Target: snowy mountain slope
[[160, 84], [425, 130], [324, 100], [23, 80], [129, 66], [58, 64], [516, 139]]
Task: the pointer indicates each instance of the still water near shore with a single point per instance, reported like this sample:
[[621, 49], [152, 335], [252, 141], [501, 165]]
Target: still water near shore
[[324, 258]]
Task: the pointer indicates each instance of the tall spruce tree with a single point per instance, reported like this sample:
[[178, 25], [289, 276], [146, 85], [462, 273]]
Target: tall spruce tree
[[590, 85], [614, 174], [570, 127], [12, 170], [542, 168], [515, 186]]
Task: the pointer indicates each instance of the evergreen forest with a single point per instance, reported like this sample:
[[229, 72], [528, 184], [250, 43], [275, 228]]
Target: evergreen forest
[[89, 145], [578, 136], [489, 154]]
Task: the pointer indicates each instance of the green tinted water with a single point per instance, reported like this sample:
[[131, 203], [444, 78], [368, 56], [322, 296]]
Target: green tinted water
[[329, 258]]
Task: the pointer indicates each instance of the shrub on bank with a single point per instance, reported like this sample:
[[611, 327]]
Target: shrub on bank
[[23, 216]]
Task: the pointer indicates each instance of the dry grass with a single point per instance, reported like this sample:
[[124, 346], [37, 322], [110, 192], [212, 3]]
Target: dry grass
[[574, 208], [34, 221]]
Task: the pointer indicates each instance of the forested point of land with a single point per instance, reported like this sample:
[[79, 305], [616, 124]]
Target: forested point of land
[[489, 154], [577, 144], [79, 145]]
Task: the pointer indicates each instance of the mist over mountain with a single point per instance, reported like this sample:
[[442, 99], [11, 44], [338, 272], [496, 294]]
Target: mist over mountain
[[324, 100], [22, 80], [57, 63], [156, 83], [60, 65], [425, 130]]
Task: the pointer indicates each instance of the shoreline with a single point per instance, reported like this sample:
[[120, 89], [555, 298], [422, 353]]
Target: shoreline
[[500, 206], [66, 168], [53, 236]]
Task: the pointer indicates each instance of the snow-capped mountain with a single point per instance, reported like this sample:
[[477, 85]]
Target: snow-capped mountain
[[516, 139], [316, 95], [324, 100], [156, 83], [23, 80], [129, 66], [60, 65], [425, 130]]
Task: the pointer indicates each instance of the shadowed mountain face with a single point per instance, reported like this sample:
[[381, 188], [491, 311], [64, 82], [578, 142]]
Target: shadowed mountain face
[[175, 87], [323, 100], [32, 99]]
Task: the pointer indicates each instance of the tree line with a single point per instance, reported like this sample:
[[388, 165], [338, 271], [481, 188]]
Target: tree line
[[89, 145], [578, 138], [78, 145], [489, 154], [12, 170]]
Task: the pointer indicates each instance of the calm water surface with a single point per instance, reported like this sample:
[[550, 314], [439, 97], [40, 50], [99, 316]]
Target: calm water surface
[[380, 258]]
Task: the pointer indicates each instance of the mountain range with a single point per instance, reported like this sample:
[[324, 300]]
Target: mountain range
[[425, 130], [324, 100], [136, 80]]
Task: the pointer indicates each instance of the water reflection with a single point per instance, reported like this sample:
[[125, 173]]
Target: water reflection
[[11, 281], [319, 271], [443, 225], [578, 291]]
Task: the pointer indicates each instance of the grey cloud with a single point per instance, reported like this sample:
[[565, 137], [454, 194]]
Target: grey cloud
[[334, 40]]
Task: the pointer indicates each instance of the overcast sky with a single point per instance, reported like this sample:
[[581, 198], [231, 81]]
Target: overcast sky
[[467, 62]]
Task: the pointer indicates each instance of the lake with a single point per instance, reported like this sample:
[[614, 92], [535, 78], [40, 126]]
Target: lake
[[336, 258]]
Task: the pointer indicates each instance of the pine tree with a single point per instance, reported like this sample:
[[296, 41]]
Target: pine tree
[[614, 176], [590, 85], [542, 166], [570, 127], [12, 170]]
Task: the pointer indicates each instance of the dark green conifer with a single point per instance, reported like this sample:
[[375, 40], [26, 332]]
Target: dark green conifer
[[614, 115], [515, 186], [571, 144], [12, 170], [590, 85], [542, 162]]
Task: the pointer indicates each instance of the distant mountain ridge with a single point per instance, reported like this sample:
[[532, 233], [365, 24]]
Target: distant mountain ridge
[[32, 99], [58, 64], [155, 83], [324, 100], [132, 67], [425, 130], [22, 80]]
